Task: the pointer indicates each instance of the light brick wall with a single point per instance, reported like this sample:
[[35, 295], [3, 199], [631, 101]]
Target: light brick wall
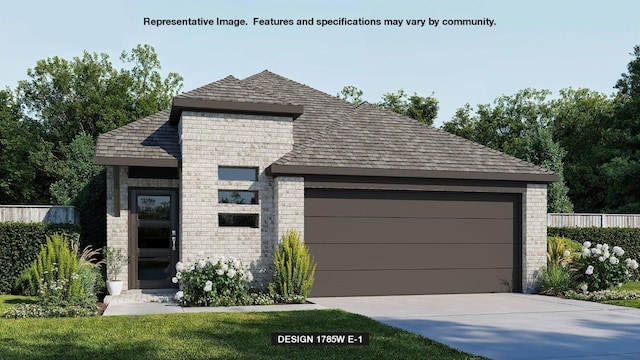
[[118, 227], [209, 140], [534, 234], [289, 214]]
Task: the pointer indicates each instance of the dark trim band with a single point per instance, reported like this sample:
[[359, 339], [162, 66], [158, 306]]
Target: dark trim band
[[276, 170], [126, 161], [185, 104]]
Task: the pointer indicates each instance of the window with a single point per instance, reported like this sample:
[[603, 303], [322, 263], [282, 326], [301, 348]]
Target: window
[[240, 220], [237, 197], [238, 173], [153, 172]]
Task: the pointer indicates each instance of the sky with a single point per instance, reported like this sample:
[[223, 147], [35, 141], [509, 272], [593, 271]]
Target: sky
[[538, 44]]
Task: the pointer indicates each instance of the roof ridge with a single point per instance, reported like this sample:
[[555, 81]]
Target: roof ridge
[[233, 89], [297, 83], [267, 91], [228, 78]]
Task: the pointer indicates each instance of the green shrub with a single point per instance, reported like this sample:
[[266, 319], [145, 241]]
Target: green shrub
[[562, 250], [627, 238], [90, 273], [602, 266], [555, 280], [293, 271], [20, 244], [54, 276], [214, 282]]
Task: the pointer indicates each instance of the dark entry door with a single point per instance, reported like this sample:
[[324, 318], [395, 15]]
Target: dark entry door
[[153, 237]]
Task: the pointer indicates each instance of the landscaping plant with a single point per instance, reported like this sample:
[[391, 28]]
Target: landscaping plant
[[215, 281], [561, 250], [115, 260], [555, 279], [600, 267], [20, 243], [293, 270], [62, 279]]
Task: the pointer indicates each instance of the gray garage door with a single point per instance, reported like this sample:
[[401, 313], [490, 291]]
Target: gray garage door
[[378, 242]]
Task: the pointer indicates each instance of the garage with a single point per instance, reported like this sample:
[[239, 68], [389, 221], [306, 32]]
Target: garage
[[395, 242]]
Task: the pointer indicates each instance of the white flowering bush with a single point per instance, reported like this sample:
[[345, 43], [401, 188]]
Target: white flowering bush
[[601, 266], [217, 281], [21, 311], [604, 295]]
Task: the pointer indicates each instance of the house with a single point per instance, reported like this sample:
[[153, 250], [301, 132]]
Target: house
[[387, 205]]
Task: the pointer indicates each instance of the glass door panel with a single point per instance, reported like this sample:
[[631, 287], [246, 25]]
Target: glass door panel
[[154, 213]]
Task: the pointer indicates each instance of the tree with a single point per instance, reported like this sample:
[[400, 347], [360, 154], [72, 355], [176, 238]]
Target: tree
[[73, 101], [423, 109], [15, 172], [149, 91], [351, 94], [88, 95], [624, 139], [581, 119], [519, 125], [536, 146], [75, 171], [22, 180]]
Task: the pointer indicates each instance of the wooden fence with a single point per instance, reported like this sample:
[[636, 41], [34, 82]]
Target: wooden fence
[[593, 220], [40, 213]]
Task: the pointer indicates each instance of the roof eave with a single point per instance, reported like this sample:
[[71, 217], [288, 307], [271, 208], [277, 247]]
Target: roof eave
[[130, 161], [277, 170], [190, 104]]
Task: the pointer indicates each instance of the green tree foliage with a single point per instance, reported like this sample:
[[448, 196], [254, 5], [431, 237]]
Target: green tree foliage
[[148, 90], [624, 138], [351, 94], [580, 125], [17, 140], [49, 124], [65, 105], [88, 95], [75, 171], [423, 109], [519, 125], [537, 146]]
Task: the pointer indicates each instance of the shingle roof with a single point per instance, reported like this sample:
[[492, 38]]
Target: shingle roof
[[151, 138], [377, 138], [320, 109], [231, 89], [331, 133]]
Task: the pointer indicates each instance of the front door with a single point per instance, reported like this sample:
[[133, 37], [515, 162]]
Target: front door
[[153, 238]]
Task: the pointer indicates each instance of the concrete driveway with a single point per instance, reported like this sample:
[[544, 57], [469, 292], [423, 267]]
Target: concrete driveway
[[508, 326]]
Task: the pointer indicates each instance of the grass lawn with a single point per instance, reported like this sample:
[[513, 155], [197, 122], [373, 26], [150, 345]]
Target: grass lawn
[[7, 301], [208, 336], [632, 285]]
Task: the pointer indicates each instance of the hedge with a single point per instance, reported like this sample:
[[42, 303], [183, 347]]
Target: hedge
[[19, 245], [627, 238]]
